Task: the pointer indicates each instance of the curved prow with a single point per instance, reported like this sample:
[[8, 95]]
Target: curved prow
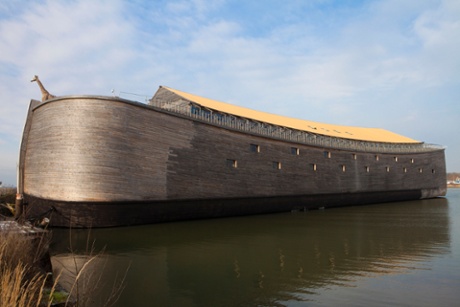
[[22, 155]]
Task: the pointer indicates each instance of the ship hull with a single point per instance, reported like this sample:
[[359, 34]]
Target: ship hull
[[112, 214], [89, 161]]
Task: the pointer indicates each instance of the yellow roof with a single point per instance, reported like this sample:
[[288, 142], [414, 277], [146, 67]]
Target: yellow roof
[[347, 132]]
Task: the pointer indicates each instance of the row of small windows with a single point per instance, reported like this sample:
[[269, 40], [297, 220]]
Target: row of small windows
[[327, 154], [277, 165], [367, 168], [256, 148], [296, 151], [354, 156], [234, 164]]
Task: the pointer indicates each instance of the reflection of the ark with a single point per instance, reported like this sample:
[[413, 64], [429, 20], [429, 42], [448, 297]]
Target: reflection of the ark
[[265, 258]]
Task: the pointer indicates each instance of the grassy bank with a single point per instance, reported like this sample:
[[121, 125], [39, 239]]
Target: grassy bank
[[7, 198], [7, 194], [24, 279]]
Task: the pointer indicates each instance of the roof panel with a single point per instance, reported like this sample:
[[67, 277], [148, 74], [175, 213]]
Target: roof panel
[[339, 131]]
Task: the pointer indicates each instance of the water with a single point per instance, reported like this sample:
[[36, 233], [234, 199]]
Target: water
[[401, 254]]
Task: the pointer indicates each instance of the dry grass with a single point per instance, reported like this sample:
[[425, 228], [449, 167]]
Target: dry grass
[[22, 277], [25, 280], [7, 200], [7, 194], [85, 277]]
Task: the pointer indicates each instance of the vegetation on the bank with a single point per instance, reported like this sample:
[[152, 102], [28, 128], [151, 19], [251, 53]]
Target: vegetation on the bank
[[26, 278], [22, 279], [7, 200]]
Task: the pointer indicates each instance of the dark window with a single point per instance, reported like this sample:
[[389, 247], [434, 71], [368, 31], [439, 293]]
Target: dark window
[[295, 151], [232, 163], [254, 148]]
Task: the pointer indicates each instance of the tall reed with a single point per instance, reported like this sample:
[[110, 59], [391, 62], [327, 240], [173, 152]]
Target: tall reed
[[22, 277]]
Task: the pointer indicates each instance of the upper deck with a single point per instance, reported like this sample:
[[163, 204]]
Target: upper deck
[[281, 127], [338, 131]]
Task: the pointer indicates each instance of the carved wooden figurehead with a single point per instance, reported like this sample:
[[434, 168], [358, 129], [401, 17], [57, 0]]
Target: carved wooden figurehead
[[45, 94]]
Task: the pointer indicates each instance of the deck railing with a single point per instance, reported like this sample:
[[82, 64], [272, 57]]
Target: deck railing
[[189, 109]]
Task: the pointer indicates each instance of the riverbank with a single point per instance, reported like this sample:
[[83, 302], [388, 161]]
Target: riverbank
[[33, 277], [7, 200], [25, 267]]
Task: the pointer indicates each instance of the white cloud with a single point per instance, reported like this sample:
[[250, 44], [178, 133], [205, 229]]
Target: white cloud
[[348, 66]]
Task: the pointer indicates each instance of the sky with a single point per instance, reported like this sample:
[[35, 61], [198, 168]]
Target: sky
[[391, 64]]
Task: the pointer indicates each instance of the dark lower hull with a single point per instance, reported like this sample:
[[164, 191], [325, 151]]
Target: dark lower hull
[[88, 214]]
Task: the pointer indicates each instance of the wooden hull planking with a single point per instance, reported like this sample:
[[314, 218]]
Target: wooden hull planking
[[103, 161]]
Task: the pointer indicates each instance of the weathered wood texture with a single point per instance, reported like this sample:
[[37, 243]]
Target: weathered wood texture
[[90, 150]]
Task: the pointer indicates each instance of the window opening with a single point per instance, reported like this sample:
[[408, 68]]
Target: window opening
[[232, 163], [254, 148], [295, 151]]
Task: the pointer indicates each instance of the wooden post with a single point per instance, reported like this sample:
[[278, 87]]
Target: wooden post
[[18, 208]]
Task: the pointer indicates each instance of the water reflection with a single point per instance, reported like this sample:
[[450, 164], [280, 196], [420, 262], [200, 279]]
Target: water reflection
[[266, 260]]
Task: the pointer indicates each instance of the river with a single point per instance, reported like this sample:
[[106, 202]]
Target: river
[[399, 254]]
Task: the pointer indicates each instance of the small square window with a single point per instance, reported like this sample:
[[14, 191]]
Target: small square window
[[295, 151], [232, 163], [367, 169], [254, 148], [276, 165], [355, 156], [327, 154]]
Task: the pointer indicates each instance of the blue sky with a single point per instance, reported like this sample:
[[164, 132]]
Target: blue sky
[[392, 64]]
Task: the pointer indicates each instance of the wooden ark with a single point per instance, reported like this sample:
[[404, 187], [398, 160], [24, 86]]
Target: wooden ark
[[93, 161]]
